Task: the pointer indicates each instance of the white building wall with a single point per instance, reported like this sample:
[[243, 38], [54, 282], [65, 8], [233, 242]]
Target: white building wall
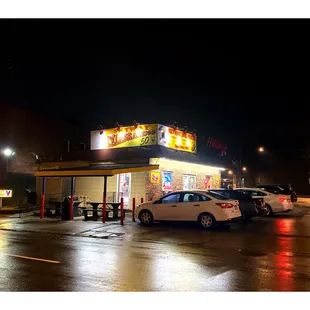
[[138, 187], [92, 187]]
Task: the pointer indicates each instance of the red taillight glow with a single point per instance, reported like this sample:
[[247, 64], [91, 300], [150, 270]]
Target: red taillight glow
[[283, 199], [225, 205]]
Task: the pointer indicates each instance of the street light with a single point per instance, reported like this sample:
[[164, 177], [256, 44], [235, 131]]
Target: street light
[[243, 168], [230, 172], [8, 152], [261, 149]]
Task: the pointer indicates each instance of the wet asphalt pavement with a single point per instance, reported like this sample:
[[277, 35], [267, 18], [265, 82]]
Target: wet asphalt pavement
[[268, 254]]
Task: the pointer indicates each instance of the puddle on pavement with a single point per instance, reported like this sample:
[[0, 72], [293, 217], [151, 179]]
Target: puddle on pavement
[[102, 235]]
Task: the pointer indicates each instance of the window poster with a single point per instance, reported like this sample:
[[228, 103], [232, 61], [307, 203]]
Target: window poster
[[189, 182], [167, 181]]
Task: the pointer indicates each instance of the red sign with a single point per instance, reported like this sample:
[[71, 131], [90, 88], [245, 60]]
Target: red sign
[[216, 144]]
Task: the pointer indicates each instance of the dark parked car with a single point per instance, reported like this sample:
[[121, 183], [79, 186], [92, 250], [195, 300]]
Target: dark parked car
[[279, 189], [249, 206]]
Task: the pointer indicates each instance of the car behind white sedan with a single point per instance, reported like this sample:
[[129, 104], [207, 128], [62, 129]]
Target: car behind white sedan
[[195, 206], [275, 203]]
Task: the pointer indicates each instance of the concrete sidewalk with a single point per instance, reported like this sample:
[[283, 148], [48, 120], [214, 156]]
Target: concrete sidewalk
[[78, 227]]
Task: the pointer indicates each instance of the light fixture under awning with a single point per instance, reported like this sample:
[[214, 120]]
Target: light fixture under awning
[[96, 170]]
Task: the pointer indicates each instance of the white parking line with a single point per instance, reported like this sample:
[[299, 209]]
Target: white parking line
[[34, 258]]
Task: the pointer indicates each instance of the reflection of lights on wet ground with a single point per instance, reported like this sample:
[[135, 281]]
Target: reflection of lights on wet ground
[[86, 262], [284, 226], [224, 281], [178, 272], [175, 272], [284, 266], [3, 243]]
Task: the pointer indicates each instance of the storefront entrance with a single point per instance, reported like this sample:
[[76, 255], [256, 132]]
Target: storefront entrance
[[123, 188]]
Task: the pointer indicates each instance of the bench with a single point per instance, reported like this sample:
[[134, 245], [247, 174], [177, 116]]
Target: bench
[[95, 215]]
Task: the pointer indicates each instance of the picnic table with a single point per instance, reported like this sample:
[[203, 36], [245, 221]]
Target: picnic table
[[111, 207], [54, 207]]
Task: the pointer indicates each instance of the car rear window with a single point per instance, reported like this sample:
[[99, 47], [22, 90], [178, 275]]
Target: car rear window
[[279, 188], [217, 196]]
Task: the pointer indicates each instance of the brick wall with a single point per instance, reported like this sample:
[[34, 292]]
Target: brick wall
[[178, 169]]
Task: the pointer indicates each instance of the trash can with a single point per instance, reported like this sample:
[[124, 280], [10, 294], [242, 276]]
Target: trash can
[[65, 216]]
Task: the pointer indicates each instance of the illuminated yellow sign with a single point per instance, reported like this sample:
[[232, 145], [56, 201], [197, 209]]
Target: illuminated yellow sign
[[176, 139], [5, 193], [155, 177], [130, 136], [143, 135]]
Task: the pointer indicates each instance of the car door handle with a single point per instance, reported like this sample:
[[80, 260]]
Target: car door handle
[[196, 205], [173, 206]]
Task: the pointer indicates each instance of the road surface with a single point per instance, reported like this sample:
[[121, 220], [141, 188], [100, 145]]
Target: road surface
[[269, 254]]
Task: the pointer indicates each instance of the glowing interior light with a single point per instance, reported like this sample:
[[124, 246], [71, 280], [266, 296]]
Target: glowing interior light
[[188, 142], [139, 132], [178, 143], [167, 137], [104, 140], [163, 159], [121, 135]]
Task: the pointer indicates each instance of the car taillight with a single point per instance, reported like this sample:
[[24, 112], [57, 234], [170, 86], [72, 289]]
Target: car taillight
[[283, 199], [225, 205]]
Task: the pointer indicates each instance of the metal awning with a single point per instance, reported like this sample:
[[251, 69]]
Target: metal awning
[[96, 170]]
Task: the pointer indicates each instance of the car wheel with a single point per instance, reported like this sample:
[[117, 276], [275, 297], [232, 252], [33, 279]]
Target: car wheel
[[268, 211], [206, 220], [146, 217]]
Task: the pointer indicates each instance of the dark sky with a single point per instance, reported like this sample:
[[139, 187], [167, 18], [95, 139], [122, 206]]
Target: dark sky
[[243, 81]]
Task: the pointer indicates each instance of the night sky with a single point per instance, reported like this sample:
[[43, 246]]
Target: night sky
[[245, 82]]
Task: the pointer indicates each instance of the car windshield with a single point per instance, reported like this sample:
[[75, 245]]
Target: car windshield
[[217, 195]]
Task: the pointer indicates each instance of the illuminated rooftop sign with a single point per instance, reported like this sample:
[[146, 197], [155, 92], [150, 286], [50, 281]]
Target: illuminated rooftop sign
[[143, 135]]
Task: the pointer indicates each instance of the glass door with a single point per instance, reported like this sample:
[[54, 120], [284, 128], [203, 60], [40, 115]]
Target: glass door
[[124, 188]]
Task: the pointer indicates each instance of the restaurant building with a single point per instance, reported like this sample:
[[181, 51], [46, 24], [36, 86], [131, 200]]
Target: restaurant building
[[142, 161]]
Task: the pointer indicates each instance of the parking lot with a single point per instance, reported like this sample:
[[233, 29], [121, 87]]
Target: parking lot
[[266, 254]]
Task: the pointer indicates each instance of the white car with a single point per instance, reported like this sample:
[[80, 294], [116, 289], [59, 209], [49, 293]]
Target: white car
[[275, 203], [195, 206]]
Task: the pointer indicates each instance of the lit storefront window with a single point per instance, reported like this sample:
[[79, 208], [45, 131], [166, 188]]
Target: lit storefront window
[[189, 182]]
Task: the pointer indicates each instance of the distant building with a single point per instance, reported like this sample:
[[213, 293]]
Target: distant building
[[33, 137]]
